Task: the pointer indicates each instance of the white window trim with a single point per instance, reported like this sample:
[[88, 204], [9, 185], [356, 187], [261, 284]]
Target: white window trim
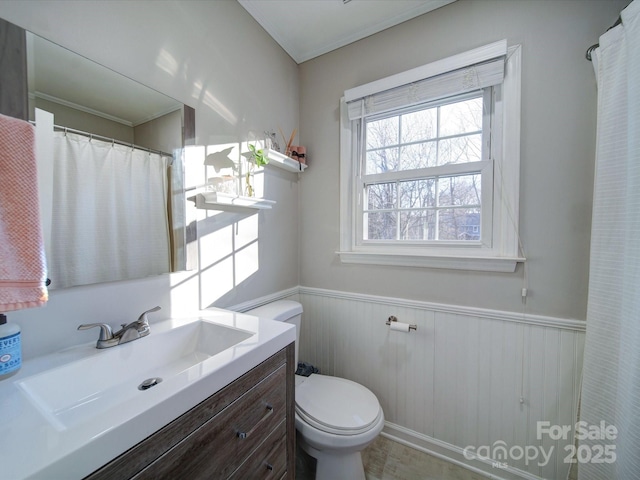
[[503, 254]]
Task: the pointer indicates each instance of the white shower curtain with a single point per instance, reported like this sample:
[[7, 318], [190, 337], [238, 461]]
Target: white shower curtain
[[109, 212], [611, 381]]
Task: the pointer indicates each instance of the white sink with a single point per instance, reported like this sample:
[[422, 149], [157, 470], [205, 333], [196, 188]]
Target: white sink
[[65, 414], [78, 391]]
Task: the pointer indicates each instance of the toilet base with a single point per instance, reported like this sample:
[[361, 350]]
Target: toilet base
[[332, 464]]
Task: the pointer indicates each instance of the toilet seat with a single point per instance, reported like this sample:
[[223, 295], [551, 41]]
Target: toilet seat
[[336, 405]]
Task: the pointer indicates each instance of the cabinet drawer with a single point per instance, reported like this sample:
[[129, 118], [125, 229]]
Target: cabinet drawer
[[220, 445], [268, 461]]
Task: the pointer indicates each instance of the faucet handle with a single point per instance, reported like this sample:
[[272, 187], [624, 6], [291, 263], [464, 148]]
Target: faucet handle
[[142, 319], [105, 330]]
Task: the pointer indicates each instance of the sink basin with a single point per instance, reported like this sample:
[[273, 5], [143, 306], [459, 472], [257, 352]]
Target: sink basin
[[108, 380]]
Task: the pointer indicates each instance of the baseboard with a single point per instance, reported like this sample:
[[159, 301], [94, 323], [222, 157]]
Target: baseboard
[[451, 453]]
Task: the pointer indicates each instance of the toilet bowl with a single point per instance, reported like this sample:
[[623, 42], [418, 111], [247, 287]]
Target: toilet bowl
[[335, 417]]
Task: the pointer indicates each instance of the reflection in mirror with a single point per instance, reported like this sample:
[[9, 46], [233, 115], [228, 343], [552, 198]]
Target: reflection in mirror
[[110, 159]]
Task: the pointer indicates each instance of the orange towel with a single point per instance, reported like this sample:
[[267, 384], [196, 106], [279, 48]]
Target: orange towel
[[22, 263]]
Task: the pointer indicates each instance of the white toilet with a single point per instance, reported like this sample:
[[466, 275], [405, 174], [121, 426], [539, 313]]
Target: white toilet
[[335, 418]]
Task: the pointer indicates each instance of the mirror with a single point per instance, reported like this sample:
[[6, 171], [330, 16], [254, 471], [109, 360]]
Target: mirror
[[97, 108]]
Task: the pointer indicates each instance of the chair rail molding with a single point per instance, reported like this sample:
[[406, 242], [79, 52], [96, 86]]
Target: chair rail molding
[[517, 317]]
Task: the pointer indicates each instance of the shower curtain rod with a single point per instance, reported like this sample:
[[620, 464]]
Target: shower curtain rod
[[596, 45], [112, 140], [107, 139]]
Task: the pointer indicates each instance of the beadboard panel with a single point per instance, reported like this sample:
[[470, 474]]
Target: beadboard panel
[[464, 378]]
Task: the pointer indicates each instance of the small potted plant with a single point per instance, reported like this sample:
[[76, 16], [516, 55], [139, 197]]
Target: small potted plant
[[256, 158]]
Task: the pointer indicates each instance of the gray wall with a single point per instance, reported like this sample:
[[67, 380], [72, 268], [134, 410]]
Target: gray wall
[[84, 121], [215, 58], [163, 133], [206, 55], [557, 151]]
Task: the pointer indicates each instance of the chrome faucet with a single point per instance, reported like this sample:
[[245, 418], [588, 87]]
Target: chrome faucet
[[129, 332]]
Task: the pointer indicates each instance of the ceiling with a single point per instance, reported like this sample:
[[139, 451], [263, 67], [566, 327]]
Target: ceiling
[[306, 29]]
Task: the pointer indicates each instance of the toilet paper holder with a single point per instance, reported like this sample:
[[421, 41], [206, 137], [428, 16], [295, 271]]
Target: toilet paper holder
[[393, 318]]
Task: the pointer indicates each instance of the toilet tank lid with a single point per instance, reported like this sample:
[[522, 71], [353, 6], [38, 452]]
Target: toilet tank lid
[[282, 310]]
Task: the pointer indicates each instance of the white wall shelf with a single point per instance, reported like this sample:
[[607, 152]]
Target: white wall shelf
[[230, 203], [277, 159]]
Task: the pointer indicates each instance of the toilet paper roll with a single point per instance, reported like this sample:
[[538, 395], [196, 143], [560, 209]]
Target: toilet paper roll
[[399, 327]]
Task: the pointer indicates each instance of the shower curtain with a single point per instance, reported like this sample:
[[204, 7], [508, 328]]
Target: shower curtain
[[611, 377], [109, 212]]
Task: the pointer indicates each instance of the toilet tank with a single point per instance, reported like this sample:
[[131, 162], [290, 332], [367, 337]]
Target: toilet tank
[[282, 311]]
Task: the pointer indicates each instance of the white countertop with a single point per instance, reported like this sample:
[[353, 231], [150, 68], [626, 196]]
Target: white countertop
[[33, 447]]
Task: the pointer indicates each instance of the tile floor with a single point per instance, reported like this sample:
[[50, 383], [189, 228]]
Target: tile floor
[[385, 459]]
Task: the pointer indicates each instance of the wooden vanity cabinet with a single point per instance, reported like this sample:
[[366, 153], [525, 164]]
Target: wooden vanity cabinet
[[246, 430]]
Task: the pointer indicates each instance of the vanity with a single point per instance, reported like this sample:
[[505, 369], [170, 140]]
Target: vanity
[[223, 406], [239, 432]]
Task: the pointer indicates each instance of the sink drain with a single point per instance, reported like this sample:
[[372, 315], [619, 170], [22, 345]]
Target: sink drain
[[149, 382]]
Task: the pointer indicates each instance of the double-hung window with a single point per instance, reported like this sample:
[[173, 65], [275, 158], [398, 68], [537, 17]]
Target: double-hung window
[[426, 173], [430, 165]]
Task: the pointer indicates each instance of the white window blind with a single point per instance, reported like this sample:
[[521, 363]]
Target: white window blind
[[432, 82]]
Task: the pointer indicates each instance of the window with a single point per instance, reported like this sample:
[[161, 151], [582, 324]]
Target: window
[[430, 165], [422, 173]]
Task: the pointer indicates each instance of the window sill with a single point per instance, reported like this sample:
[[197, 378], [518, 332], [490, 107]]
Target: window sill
[[478, 263]]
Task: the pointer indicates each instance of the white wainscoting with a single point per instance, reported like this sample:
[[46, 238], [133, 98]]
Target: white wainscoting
[[466, 377]]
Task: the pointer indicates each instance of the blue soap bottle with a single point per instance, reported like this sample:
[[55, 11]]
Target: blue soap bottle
[[10, 348]]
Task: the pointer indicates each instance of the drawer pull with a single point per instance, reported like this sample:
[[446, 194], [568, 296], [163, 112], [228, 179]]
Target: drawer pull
[[269, 467], [243, 435]]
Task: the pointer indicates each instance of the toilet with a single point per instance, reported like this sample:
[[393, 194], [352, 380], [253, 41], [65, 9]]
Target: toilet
[[335, 417]]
